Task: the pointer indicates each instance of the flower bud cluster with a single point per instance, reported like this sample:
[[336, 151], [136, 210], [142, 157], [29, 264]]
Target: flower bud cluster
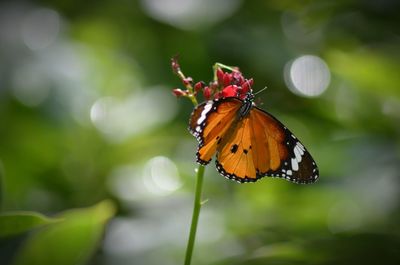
[[225, 84]]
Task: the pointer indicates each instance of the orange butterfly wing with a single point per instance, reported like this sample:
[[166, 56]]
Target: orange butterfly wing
[[209, 123], [262, 146], [251, 147]]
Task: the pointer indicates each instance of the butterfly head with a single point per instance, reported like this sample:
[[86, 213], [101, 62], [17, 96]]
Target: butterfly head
[[246, 106], [249, 96]]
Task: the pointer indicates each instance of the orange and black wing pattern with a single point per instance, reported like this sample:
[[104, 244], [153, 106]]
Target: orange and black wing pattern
[[262, 146], [249, 144], [210, 123]]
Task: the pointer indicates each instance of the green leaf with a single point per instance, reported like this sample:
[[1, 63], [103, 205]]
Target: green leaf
[[69, 242], [14, 223]]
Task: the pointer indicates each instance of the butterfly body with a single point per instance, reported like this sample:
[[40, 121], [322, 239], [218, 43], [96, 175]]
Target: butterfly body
[[246, 106], [249, 143]]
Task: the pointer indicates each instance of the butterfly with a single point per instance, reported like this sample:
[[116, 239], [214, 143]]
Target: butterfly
[[249, 143]]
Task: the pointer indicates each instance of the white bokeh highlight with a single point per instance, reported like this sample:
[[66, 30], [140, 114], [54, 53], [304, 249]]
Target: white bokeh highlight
[[40, 28], [119, 119], [307, 75], [161, 176], [190, 14], [158, 177]]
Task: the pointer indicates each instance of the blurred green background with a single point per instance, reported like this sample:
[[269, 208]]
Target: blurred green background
[[90, 132]]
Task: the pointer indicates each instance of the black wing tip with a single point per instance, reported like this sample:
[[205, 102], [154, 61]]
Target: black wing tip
[[201, 161], [309, 180], [311, 175]]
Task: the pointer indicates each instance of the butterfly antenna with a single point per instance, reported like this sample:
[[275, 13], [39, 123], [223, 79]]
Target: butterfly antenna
[[259, 91]]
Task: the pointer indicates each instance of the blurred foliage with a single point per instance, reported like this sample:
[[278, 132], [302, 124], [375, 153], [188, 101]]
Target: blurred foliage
[[86, 114], [69, 242], [14, 223]]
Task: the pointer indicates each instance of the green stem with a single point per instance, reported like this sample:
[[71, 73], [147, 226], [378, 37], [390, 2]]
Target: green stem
[[195, 215], [189, 88], [1, 186], [223, 66], [193, 99]]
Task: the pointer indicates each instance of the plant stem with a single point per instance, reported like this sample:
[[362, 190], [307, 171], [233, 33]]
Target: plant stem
[[191, 94], [195, 215], [220, 65], [1, 186]]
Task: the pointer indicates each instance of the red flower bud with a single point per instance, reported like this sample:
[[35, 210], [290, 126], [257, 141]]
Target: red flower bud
[[199, 86], [218, 95], [230, 91], [214, 86], [246, 86], [207, 93], [227, 80], [237, 78], [179, 92], [175, 65], [220, 75], [187, 81]]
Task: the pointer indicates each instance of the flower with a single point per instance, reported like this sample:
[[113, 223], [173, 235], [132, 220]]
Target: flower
[[207, 93], [199, 86], [178, 92], [230, 83]]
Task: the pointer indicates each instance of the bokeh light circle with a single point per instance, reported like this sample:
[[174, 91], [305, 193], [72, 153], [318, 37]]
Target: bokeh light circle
[[307, 75], [190, 14], [40, 28]]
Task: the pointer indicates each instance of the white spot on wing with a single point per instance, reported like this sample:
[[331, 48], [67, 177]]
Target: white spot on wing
[[289, 172], [301, 151], [301, 146], [295, 165], [297, 154]]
